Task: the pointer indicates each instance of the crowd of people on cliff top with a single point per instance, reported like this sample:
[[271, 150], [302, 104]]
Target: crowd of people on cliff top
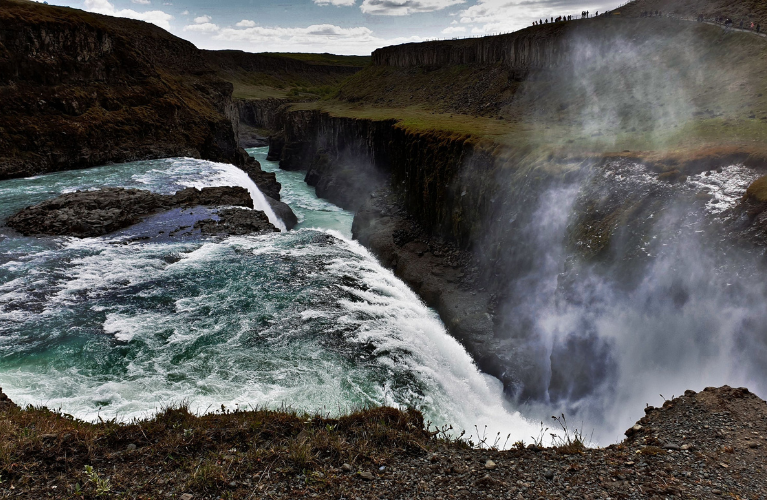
[[584, 15], [728, 23]]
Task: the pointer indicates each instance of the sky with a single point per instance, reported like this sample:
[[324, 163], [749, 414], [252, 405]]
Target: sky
[[355, 27]]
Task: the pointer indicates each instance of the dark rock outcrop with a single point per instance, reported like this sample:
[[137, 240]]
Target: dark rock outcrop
[[260, 113], [95, 213], [5, 402], [236, 60], [284, 212], [236, 221], [81, 89], [266, 181]]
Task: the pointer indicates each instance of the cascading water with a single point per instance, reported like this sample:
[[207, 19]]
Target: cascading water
[[117, 327], [626, 288], [231, 175]]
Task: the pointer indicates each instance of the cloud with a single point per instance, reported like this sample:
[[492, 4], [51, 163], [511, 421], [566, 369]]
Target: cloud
[[308, 34], [202, 28], [142, 2], [158, 17], [337, 3], [202, 19], [185, 13], [454, 29], [405, 7], [497, 16], [314, 38], [246, 23]]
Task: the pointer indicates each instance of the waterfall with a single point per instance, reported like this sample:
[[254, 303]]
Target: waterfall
[[237, 177]]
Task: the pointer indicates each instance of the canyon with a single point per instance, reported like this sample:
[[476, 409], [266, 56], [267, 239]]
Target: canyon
[[433, 145], [583, 204]]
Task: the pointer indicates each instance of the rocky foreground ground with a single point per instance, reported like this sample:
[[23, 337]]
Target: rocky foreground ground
[[705, 445]]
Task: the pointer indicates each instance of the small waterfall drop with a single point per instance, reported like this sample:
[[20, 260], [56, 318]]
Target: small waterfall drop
[[237, 177]]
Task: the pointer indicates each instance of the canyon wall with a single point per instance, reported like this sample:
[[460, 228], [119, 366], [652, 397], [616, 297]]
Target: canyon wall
[[542, 47], [422, 200], [81, 89], [260, 113]]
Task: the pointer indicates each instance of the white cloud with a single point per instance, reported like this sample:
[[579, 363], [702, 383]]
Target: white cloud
[[246, 23], [142, 2], [185, 13], [405, 7], [158, 17], [310, 33], [202, 28], [454, 29], [202, 19], [337, 3]]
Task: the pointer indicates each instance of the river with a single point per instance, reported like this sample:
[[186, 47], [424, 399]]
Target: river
[[123, 325]]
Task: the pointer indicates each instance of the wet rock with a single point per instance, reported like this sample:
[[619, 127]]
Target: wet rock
[[213, 196], [236, 221], [95, 213], [283, 211]]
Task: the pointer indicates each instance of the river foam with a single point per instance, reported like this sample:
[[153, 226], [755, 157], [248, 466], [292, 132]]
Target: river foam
[[306, 319]]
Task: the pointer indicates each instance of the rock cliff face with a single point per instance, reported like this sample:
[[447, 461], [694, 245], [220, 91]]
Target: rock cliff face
[[256, 116], [260, 113], [417, 209], [363, 155], [81, 90], [522, 51]]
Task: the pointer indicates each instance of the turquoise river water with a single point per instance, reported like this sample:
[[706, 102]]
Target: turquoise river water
[[117, 326]]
